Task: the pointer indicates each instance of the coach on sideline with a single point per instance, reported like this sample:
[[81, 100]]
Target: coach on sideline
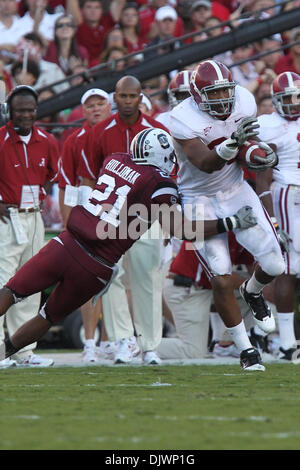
[[28, 163], [95, 108]]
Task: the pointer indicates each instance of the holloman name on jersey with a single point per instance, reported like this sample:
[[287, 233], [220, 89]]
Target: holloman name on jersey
[[125, 172]]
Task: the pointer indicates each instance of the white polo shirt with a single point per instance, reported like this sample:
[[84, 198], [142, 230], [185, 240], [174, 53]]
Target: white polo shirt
[[46, 27], [13, 34]]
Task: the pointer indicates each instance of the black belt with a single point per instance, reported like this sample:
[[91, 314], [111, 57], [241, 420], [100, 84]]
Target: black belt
[[28, 210], [25, 210]]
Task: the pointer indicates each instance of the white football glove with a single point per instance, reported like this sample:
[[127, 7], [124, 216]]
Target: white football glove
[[263, 163], [246, 131], [245, 218]]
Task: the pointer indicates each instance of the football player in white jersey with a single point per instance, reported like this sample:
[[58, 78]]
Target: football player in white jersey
[[178, 90], [282, 130], [208, 129]]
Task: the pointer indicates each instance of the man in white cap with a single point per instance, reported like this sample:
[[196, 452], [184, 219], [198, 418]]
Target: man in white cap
[[95, 107], [165, 18]]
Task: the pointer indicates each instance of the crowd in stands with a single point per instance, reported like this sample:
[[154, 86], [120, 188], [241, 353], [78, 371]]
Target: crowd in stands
[[44, 41]]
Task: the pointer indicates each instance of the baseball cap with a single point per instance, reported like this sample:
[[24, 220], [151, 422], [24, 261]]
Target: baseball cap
[[166, 12], [201, 3], [93, 92]]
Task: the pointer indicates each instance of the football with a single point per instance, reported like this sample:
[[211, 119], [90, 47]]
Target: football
[[248, 152]]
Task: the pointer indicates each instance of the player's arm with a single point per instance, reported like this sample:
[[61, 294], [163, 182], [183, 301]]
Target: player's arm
[[175, 224], [209, 160], [263, 183], [201, 156]]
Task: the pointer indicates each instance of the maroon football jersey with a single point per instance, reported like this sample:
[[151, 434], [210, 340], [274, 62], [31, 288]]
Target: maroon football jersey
[[122, 206]]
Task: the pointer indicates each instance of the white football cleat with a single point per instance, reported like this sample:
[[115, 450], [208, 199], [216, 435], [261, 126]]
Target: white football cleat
[[128, 349], [33, 360], [151, 358]]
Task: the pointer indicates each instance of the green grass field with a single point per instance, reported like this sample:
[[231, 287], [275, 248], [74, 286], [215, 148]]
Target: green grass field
[[203, 407]]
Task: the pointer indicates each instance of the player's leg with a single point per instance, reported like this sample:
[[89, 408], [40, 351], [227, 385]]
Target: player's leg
[[75, 285], [261, 241], [284, 300], [40, 272], [215, 260], [286, 201]]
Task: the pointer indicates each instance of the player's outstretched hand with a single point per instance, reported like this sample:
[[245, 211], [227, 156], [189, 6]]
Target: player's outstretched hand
[[245, 217], [247, 129]]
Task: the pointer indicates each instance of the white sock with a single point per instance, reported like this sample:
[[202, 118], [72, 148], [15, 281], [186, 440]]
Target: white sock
[[89, 343], [253, 286], [286, 330], [239, 336], [217, 326]]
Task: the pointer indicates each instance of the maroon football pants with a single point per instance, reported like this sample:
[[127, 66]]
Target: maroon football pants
[[74, 272]]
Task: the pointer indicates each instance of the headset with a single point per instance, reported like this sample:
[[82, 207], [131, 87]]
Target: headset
[[5, 109]]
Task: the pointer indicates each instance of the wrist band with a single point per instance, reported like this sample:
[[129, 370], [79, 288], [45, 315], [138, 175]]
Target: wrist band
[[274, 222], [227, 224]]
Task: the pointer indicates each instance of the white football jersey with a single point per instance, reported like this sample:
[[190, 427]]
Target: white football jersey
[[274, 129], [188, 122], [164, 118]]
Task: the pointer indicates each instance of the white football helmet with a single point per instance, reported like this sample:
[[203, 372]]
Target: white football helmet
[[154, 147]]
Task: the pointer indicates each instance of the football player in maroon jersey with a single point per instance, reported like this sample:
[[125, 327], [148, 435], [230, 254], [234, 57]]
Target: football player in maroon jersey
[[132, 190]]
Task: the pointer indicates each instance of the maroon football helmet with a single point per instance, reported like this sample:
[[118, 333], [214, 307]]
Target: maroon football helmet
[[285, 91], [179, 87], [211, 75]]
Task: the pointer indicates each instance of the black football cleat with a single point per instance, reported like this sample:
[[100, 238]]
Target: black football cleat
[[263, 316], [250, 360], [287, 354]]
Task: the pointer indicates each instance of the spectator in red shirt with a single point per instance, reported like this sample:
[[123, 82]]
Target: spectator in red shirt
[[95, 108], [92, 31], [130, 26], [64, 50], [28, 163]]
